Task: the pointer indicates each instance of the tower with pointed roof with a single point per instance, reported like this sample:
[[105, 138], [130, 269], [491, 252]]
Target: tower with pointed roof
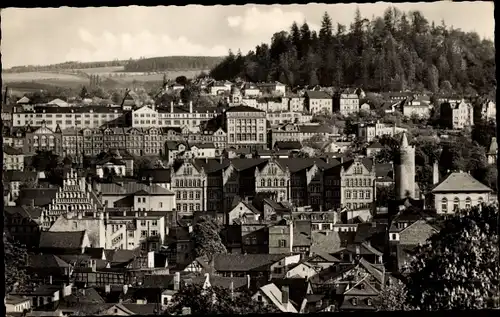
[[404, 170]]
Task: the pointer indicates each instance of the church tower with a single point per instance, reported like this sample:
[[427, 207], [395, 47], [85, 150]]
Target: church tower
[[404, 176]]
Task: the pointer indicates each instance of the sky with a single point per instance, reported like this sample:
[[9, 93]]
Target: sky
[[42, 36]]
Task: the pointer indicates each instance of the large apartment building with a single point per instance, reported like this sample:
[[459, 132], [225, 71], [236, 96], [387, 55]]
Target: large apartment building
[[174, 116], [52, 116], [246, 127], [457, 115]]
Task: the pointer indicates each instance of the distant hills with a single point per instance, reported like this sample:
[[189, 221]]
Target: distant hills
[[154, 64]]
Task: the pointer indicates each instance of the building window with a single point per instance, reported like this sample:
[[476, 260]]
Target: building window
[[282, 243], [143, 223], [348, 194], [480, 200], [444, 205], [468, 203], [144, 233], [154, 223], [393, 236], [456, 204]]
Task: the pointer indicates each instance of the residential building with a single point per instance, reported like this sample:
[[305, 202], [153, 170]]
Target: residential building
[[283, 117], [318, 102], [357, 185], [67, 117], [295, 132], [459, 191], [14, 179], [296, 103], [457, 116], [272, 88], [76, 196], [220, 87], [246, 127], [216, 137], [17, 304], [346, 102], [189, 182], [489, 110], [418, 106], [182, 116], [368, 132], [13, 159], [23, 224], [271, 295], [251, 90], [281, 237], [43, 139]]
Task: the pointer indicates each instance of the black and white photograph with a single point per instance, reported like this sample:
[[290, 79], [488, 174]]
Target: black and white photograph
[[250, 159]]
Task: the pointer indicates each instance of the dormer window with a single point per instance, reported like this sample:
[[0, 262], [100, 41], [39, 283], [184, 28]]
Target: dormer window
[[369, 302], [354, 301]]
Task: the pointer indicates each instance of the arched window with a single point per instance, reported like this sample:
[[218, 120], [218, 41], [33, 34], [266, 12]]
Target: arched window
[[198, 183], [356, 182], [198, 207], [262, 183], [444, 205], [348, 194], [456, 204], [275, 183], [354, 194], [468, 203], [269, 183], [181, 182], [282, 183]]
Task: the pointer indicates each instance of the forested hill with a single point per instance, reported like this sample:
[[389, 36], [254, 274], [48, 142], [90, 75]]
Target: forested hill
[[64, 66], [172, 62], [400, 50]]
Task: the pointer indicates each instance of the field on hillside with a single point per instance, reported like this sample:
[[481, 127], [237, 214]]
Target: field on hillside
[[41, 76], [112, 77]]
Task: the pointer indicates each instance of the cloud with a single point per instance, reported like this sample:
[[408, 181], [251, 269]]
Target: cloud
[[108, 46], [266, 22]]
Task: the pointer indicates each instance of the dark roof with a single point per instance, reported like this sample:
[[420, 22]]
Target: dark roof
[[223, 282], [19, 176], [370, 231], [384, 172], [288, 145], [159, 281], [39, 196], [313, 94], [157, 175], [297, 287], [94, 253], [61, 239], [245, 262], [45, 261], [9, 150], [121, 256], [302, 233], [142, 309], [375, 145], [243, 108], [87, 295]]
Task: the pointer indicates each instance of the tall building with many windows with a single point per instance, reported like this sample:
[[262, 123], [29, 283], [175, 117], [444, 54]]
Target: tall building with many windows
[[246, 127]]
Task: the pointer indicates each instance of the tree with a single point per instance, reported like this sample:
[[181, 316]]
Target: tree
[[84, 93], [393, 297], [15, 258], [214, 300], [206, 237], [182, 80], [483, 131], [458, 268]]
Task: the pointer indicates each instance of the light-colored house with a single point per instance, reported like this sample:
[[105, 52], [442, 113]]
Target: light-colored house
[[318, 102], [301, 270], [489, 110], [202, 150], [270, 294], [419, 107], [17, 304], [13, 159], [243, 210], [368, 132], [459, 191], [58, 102]]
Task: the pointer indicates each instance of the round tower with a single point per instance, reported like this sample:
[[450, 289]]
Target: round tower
[[404, 176]]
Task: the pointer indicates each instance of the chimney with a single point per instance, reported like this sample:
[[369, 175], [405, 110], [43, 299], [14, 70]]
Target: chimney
[[171, 107], [107, 288], [177, 281], [32, 203], [190, 107], [435, 173], [125, 288], [93, 265], [248, 281], [358, 250], [284, 294], [50, 280]]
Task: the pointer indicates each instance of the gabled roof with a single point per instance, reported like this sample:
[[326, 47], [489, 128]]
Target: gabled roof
[[62, 239], [46, 261], [275, 296], [460, 182], [24, 100], [287, 145]]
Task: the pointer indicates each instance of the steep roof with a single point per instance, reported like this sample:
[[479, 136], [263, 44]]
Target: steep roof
[[46, 261], [9, 150], [61, 239], [39, 196], [460, 182]]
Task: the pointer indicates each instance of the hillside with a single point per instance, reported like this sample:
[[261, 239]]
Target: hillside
[[172, 62], [154, 64], [398, 51]]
